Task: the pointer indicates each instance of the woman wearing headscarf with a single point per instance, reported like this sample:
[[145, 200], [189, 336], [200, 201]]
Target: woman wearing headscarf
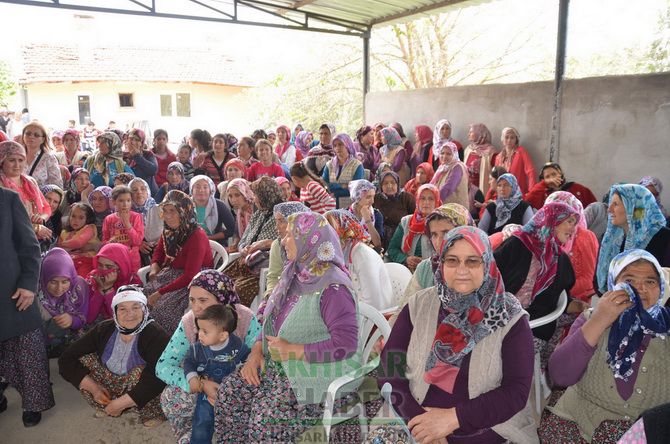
[[278, 393], [41, 164], [72, 155], [79, 188], [287, 189], [366, 152], [256, 240], [145, 205], [241, 200], [451, 178], [234, 169], [410, 244], [303, 142], [113, 365], [100, 200], [478, 156], [423, 148], [176, 180], [466, 351], [508, 208], [613, 359], [441, 135], [213, 215], [23, 357], [214, 163], [108, 161], [424, 174], [182, 251], [635, 221], [371, 282], [404, 141], [342, 169], [655, 186], [596, 219], [209, 287], [516, 160], [438, 223], [393, 203], [140, 159], [54, 197], [393, 153], [284, 148], [552, 179], [372, 221], [536, 270]]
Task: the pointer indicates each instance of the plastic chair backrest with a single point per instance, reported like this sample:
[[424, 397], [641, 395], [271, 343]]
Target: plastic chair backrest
[[400, 277], [220, 255], [371, 319], [551, 317]]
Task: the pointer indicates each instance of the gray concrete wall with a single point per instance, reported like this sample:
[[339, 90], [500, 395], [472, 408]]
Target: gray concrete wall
[[612, 128]]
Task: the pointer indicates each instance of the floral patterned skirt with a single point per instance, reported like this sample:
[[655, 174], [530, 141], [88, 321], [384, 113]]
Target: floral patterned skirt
[[171, 306], [178, 407], [118, 385], [246, 281]]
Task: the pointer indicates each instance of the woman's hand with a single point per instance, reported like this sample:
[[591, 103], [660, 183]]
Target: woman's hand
[[210, 388], [609, 308], [117, 406], [366, 214], [153, 272], [254, 363], [434, 425], [146, 247], [37, 219], [25, 298], [153, 298], [99, 393], [63, 320], [282, 350], [42, 232], [412, 262]]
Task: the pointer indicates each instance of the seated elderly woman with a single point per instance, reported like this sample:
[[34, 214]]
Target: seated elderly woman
[[182, 251], [614, 360], [410, 244], [372, 220], [113, 365], [466, 351], [393, 203], [310, 338], [108, 160], [508, 208], [209, 287], [213, 215], [370, 279]]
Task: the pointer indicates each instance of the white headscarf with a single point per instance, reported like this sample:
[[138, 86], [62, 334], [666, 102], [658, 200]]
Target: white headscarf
[[211, 212]]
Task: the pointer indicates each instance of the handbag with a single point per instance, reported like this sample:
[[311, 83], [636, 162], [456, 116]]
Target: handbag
[[258, 260]]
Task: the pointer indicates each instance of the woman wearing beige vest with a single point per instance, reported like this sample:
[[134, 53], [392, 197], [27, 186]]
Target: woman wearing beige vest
[[615, 360], [460, 355], [393, 153], [451, 178]]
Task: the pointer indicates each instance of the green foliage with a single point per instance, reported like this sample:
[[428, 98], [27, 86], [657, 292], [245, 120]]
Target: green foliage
[[7, 84]]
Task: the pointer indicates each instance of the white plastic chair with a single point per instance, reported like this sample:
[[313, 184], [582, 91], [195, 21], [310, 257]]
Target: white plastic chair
[[537, 372], [143, 274], [220, 255], [262, 286], [369, 319], [400, 277]]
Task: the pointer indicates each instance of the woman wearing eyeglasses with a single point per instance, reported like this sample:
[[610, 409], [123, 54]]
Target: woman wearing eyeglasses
[[466, 351], [41, 163]]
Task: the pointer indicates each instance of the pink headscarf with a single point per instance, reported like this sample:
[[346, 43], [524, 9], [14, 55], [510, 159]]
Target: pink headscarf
[[482, 144], [570, 200], [243, 217]]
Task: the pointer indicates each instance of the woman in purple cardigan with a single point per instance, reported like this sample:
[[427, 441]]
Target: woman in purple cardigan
[[466, 352]]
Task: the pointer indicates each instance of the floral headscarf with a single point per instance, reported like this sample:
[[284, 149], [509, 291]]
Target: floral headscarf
[[437, 140], [350, 230], [301, 142], [482, 144], [242, 217], [99, 162], [349, 145], [58, 263], [175, 238], [105, 192], [395, 177], [218, 284], [644, 221], [182, 186], [539, 237], [268, 192], [456, 214], [148, 204], [393, 140], [417, 224], [470, 317], [570, 200], [286, 209], [8, 148], [319, 261], [628, 331], [358, 187], [656, 183], [504, 207], [73, 187]]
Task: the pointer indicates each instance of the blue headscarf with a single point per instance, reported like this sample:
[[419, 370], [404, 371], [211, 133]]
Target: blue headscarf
[[644, 221], [628, 331], [504, 207]]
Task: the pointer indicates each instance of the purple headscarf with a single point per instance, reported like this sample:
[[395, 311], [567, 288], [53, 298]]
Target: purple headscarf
[[301, 142], [58, 263], [218, 284], [392, 138], [348, 143]]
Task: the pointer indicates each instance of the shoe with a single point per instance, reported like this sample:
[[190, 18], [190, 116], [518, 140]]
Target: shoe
[[31, 419], [151, 423], [3, 404], [100, 414]]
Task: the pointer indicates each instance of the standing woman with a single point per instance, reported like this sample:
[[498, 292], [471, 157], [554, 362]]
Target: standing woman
[[410, 244], [108, 161], [366, 152], [635, 221], [508, 208], [478, 156], [215, 161], [284, 148], [393, 203], [451, 178], [342, 169], [142, 160], [164, 156], [41, 163], [393, 153], [423, 148], [516, 160], [442, 134], [213, 215], [72, 155], [241, 200], [23, 355]]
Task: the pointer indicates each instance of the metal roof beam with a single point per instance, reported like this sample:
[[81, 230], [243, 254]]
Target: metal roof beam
[[419, 10]]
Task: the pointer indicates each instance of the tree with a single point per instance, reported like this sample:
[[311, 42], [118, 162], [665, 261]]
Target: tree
[[7, 84]]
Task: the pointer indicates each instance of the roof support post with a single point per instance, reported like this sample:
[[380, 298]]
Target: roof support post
[[561, 41], [366, 69]]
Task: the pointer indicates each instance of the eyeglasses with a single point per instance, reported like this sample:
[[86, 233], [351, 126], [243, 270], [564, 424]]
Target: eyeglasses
[[32, 134], [470, 262]]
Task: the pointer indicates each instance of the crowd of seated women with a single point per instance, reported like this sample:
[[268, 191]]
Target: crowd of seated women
[[129, 299]]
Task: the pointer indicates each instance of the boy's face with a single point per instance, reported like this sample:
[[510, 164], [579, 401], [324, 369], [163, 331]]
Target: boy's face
[[123, 203], [183, 155], [209, 334]]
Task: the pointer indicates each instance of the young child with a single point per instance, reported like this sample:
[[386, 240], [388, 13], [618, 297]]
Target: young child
[[124, 226], [184, 157], [80, 237], [214, 356], [313, 191]]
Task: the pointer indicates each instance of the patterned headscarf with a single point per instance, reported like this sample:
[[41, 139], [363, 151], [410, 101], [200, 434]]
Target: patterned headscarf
[[395, 177], [656, 183], [58, 263], [504, 207], [268, 192], [301, 142], [99, 162], [182, 186], [446, 168], [417, 224], [8, 148], [105, 192], [456, 214], [50, 188], [73, 187], [286, 209], [437, 140], [175, 238], [393, 140], [644, 221], [349, 145], [358, 187], [350, 230], [539, 237], [628, 331], [242, 217], [148, 204], [218, 284], [362, 132], [482, 144], [319, 261], [211, 211], [570, 200], [470, 317]]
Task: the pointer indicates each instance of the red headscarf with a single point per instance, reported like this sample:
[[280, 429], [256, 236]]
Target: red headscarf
[[412, 186], [417, 224], [424, 133], [237, 163]]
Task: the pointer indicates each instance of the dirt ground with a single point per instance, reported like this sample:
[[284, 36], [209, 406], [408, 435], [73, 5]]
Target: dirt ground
[[72, 421]]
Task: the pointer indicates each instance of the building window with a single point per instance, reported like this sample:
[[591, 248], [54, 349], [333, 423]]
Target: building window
[[84, 109], [184, 105], [166, 105], [126, 100]]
